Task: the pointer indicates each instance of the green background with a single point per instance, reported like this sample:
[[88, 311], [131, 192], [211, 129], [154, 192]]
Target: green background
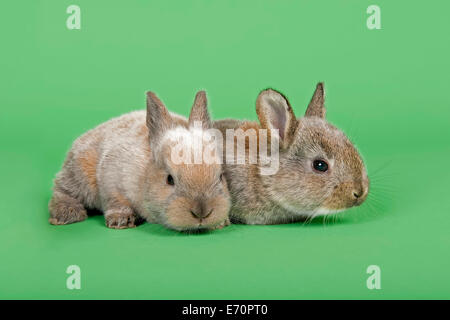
[[387, 89]]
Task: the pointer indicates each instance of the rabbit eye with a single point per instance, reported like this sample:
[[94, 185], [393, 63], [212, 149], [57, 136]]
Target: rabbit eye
[[320, 165], [170, 180]]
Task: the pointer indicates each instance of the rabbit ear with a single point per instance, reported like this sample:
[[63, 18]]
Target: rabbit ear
[[275, 112], [316, 107], [199, 111], [158, 117]]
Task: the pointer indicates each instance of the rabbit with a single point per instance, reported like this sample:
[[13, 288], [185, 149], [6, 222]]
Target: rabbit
[[320, 171], [124, 168]]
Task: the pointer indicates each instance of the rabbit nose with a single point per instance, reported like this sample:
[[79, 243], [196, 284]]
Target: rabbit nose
[[357, 194], [200, 211]]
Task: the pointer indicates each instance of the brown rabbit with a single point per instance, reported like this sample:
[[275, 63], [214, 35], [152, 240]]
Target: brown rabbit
[[320, 171], [124, 168]]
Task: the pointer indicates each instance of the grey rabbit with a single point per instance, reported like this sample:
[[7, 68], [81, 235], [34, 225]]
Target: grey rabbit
[[320, 170]]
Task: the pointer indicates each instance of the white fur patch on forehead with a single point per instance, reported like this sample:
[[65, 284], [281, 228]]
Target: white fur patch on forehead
[[185, 135], [192, 145]]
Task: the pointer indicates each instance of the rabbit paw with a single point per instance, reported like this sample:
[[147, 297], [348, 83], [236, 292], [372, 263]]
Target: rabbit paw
[[222, 225], [68, 215], [120, 220], [64, 209]]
